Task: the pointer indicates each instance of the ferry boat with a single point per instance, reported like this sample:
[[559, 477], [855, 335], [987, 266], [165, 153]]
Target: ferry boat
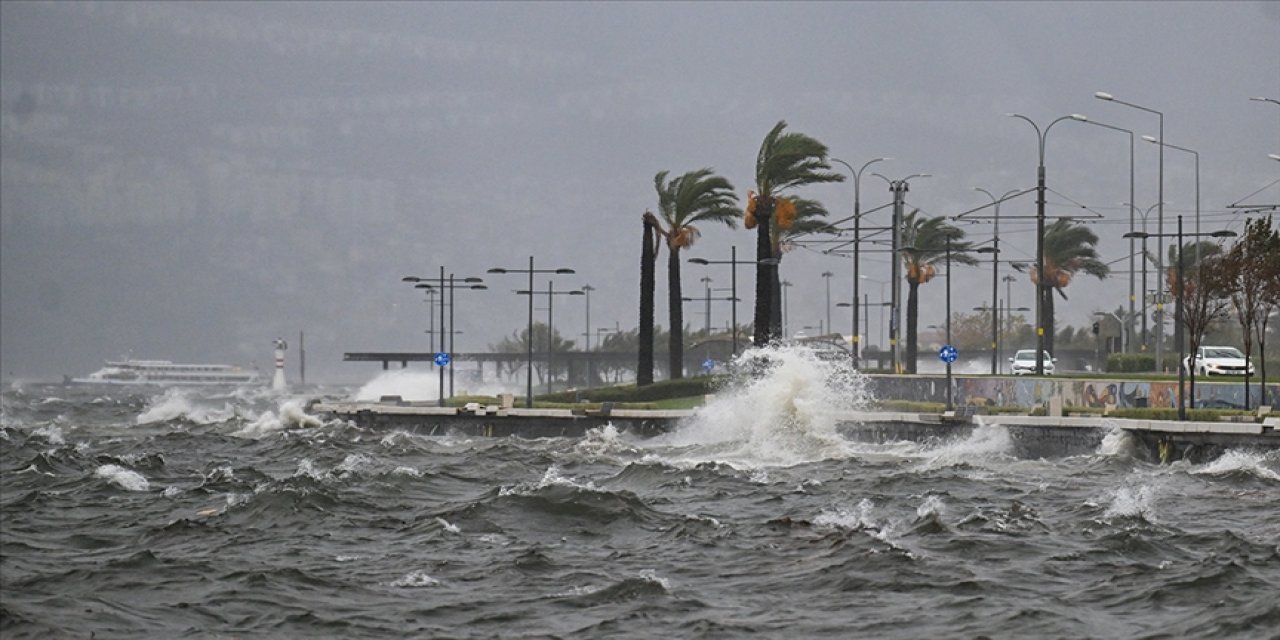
[[166, 373]]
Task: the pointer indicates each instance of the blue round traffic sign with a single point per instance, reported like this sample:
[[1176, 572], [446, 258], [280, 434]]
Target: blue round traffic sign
[[948, 354], [708, 365], [442, 359]]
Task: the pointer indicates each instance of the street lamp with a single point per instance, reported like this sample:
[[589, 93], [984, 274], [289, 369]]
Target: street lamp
[[1160, 202], [1041, 289], [1132, 218], [1160, 306], [733, 283], [440, 284], [994, 250], [561, 271], [1197, 156], [1178, 319], [857, 240], [899, 189], [551, 293]]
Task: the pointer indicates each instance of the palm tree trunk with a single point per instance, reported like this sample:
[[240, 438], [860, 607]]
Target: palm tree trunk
[[648, 258], [765, 274], [913, 316], [775, 314], [675, 308]]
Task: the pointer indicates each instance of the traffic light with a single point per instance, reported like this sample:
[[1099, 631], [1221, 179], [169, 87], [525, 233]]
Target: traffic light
[[1097, 328]]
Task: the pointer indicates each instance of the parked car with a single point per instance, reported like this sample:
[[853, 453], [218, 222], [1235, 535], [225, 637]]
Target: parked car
[[1218, 361], [1024, 362]]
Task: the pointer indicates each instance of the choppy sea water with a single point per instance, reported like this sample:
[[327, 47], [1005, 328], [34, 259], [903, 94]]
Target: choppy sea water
[[192, 514]]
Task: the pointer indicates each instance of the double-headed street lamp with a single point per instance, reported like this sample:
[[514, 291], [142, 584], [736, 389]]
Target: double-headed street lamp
[[1197, 155], [1178, 319], [441, 284], [561, 271], [1041, 290], [733, 263], [1160, 202], [1132, 212], [551, 293], [994, 250], [857, 240]]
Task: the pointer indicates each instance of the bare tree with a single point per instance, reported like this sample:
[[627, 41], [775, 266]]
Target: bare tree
[[1205, 296], [1245, 267]]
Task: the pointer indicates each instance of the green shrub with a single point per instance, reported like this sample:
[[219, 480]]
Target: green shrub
[[1129, 362]]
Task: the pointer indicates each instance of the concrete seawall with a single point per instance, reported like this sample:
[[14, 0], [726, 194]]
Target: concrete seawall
[[1030, 436]]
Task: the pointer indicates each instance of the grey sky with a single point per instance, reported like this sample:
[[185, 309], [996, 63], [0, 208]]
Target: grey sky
[[189, 180]]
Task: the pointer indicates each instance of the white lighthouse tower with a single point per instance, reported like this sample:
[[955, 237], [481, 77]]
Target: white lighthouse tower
[[277, 383]]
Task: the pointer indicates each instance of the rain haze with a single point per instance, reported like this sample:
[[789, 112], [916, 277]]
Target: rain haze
[[189, 181]]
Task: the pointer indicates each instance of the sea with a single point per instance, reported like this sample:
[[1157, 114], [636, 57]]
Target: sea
[[238, 514]]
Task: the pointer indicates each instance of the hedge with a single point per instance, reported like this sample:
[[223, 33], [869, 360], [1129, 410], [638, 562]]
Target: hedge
[[1131, 362]]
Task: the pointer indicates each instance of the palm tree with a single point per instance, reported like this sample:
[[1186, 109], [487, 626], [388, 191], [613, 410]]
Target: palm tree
[[808, 220], [695, 197], [648, 268], [925, 241], [785, 161], [1068, 250]]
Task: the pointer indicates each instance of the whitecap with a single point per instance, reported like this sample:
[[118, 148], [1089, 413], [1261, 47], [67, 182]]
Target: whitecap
[[1235, 460], [451, 528], [126, 479], [415, 579]]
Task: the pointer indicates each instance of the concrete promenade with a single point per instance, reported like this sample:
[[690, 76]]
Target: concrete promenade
[[1031, 436]]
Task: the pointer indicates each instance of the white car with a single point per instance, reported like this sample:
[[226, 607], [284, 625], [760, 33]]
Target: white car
[[1219, 361], [1024, 362]]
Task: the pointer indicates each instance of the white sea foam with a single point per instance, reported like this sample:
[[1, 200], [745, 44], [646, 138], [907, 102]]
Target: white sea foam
[[785, 414], [51, 433], [415, 579], [1133, 500], [451, 528], [126, 479], [1233, 460], [931, 506], [418, 385], [984, 443], [292, 415], [550, 478], [175, 404], [858, 518], [1117, 443]]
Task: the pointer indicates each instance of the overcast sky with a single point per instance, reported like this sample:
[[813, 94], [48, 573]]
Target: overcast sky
[[188, 181]]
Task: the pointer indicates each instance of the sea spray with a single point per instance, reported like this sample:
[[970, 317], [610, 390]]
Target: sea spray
[[780, 409]]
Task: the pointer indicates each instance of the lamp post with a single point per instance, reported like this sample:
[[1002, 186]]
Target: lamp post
[[899, 189], [551, 294], [857, 240], [529, 382], [587, 289], [1144, 274], [1128, 329], [995, 268], [1160, 202], [1040, 202], [733, 283], [1197, 156], [440, 284], [1178, 319]]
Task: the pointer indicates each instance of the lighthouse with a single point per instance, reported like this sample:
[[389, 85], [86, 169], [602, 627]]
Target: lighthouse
[[277, 383]]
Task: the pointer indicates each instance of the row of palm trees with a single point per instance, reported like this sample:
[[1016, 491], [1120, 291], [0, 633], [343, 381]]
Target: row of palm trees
[[786, 162]]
